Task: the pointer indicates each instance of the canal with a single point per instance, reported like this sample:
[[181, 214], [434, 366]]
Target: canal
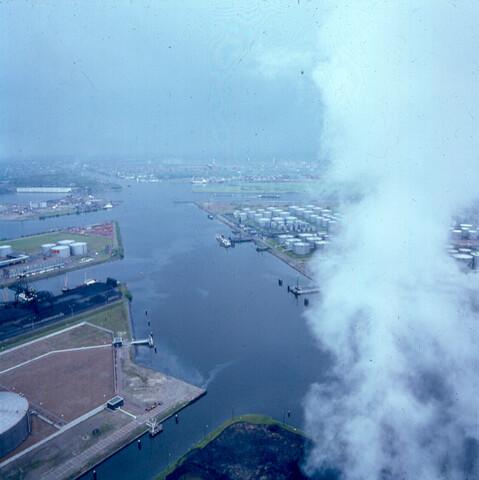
[[219, 318]]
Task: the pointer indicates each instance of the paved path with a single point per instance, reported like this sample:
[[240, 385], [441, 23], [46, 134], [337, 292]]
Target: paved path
[[115, 440]]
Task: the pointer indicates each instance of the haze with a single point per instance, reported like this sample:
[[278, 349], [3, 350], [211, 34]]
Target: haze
[[209, 79]]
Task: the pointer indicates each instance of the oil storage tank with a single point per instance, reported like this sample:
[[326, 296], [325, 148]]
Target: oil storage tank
[[301, 248], [46, 248], [14, 421], [65, 242], [5, 250], [61, 251], [78, 248]]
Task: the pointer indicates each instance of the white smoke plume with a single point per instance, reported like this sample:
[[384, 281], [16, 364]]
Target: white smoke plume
[[400, 87]]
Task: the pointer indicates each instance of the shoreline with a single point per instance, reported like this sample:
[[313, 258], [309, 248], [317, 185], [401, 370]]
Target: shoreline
[[295, 264], [117, 431]]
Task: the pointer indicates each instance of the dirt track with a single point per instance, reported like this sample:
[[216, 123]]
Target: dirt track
[[63, 383]]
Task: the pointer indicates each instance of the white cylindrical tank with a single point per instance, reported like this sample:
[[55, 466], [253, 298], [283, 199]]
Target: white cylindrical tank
[[257, 217], [5, 250], [65, 242], [46, 247], [14, 421], [264, 222], [61, 251], [78, 248], [284, 214], [464, 258], [283, 238], [267, 214], [278, 220], [251, 214], [320, 245], [301, 248], [290, 242], [236, 214], [456, 234], [243, 216], [475, 260]]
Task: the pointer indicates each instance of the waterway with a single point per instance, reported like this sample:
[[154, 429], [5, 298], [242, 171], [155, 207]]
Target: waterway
[[219, 318]]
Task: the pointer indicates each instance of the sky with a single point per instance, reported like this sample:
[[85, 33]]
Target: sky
[[209, 79]]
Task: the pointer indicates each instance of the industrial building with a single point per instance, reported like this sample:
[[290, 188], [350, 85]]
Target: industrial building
[[114, 403], [14, 421]]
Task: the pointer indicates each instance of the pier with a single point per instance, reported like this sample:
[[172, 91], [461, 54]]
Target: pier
[[297, 290], [146, 341]]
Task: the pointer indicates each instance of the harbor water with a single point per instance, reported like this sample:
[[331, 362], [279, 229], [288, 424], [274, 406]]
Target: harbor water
[[219, 318]]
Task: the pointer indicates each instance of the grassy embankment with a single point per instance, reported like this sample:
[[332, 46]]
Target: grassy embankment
[[118, 242], [113, 317], [256, 188], [253, 419]]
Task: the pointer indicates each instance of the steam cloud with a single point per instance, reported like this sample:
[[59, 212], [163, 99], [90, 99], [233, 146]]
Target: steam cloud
[[400, 87]]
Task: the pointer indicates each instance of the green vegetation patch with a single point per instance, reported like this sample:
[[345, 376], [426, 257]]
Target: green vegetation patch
[[251, 418], [118, 243], [63, 180], [256, 188], [113, 317]]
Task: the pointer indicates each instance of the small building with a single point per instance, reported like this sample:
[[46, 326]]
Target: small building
[[118, 342], [114, 403]]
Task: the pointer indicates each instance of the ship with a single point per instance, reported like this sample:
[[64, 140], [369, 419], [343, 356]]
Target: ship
[[89, 281], [202, 181], [223, 241]]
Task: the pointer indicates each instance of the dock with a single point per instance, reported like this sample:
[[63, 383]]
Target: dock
[[154, 427], [297, 290], [146, 341], [240, 239]]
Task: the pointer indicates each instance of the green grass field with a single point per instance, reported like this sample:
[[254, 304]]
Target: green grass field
[[33, 243], [112, 317], [257, 188]]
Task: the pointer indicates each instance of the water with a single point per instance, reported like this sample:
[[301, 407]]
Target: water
[[219, 318]]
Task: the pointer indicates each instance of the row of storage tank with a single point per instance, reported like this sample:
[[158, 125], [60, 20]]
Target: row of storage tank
[[467, 256], [65, 248], [298, 219], [303, 243], [5, 250], [465, 231]]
